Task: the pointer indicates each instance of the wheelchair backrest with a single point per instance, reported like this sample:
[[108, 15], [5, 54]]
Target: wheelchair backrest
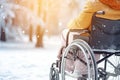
[[105, 34]]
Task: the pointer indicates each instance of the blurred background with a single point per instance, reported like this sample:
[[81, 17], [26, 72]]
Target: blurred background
[[30, 36], [16, 16]]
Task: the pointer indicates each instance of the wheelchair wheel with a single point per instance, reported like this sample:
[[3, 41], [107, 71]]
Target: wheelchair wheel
[[113, 68], [78, 62], [54, 73]]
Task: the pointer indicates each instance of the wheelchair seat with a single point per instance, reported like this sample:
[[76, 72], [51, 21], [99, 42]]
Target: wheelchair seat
[[105, 35], [92, 57]]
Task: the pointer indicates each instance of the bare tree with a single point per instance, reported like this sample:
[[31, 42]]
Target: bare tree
[[14, 16]]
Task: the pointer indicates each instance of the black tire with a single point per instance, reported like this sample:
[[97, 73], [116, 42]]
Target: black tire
[[54, 74]]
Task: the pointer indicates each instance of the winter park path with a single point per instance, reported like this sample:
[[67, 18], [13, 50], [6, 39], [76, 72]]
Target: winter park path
[[22, 61]]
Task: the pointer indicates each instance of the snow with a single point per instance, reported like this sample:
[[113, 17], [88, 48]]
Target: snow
[[20, 60]]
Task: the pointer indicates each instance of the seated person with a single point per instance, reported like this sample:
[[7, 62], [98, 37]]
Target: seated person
[[83, 21]]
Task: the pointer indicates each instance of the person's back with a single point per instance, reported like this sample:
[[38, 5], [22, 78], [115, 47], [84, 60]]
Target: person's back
[[83, 21]]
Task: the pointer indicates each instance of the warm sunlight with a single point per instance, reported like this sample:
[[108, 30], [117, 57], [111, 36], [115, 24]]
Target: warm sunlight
[[59, 40], [30, 36]]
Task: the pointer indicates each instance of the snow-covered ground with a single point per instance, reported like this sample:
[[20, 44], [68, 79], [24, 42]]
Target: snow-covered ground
[[22, 61]]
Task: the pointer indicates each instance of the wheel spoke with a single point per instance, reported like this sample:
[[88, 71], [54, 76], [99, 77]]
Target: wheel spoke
[[81, 63], [113, 67]]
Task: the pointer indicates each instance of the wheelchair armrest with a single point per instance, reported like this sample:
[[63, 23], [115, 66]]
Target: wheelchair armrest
[[79, 30]]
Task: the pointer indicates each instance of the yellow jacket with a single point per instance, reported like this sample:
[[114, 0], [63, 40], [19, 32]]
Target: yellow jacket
[[83, 20]]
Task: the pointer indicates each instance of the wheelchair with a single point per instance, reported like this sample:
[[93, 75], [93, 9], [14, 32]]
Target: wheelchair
[[95, 58]]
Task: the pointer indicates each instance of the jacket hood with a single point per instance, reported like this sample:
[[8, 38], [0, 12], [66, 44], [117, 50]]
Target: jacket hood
[[111, 3]]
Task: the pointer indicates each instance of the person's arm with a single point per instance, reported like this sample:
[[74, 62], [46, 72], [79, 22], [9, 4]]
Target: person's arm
[[83, 20]]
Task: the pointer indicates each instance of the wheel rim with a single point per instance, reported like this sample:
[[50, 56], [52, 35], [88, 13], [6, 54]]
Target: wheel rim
[[91, 68], [54, 74]]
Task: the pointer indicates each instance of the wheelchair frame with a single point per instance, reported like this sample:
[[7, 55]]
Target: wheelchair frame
[[100, 73]]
